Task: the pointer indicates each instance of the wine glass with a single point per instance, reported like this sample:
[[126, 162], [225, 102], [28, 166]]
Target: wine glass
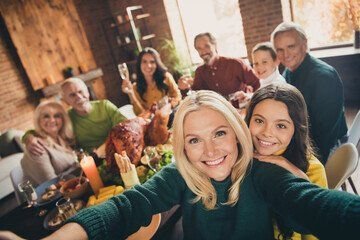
[[27, 189], [123, 70], [124, 74], [186, 73]]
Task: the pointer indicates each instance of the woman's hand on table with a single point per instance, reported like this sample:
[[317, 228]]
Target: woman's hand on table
[[282, 162]]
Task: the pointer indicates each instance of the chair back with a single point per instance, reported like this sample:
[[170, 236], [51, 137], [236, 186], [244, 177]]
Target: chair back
[[17, 176], [341, 164], [354, 132], [128, 111], [146, 233]]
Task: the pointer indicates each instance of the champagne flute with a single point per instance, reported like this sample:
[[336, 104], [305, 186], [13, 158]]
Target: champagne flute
[[187, 75], [27, 189], [124, 74], [123, 70]]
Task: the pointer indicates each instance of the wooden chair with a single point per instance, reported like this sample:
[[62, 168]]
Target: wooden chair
[[354, 132], [341, 164], [146, 233]]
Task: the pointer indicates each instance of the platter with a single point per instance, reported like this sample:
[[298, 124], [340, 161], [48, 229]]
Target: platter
[[53, 221], [48, 192]]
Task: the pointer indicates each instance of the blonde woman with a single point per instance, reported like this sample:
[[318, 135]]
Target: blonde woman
[[53, 126], [223, 193]]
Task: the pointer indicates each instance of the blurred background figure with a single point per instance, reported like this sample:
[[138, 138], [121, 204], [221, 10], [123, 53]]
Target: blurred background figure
[[265, 64], [319, 83], [154, 83], [53, 127]]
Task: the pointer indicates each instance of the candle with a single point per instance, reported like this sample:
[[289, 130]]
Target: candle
[[91, 172]]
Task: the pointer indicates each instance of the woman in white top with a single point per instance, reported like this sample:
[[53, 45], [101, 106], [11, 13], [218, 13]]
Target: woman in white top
[[265, 64], [53, 126]]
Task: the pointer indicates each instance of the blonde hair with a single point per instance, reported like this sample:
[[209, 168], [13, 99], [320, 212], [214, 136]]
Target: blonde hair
[[66, 131], [197, 181]]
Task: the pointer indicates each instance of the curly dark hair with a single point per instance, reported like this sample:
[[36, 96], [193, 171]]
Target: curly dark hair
[[159, 74]]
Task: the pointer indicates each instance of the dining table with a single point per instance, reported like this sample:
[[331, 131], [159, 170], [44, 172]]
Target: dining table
[[31, 223]]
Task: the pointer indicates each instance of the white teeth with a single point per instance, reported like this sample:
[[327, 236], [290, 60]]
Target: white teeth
[[215, 162], [265, 143]]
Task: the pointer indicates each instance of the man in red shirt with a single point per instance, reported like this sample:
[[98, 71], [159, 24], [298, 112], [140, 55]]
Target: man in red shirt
[[220, 74]]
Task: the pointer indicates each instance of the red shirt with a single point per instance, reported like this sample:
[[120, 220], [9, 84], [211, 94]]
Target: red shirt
[[225, 76]]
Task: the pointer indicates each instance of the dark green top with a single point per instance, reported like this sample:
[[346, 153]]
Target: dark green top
[[323, 91], [329, 214]]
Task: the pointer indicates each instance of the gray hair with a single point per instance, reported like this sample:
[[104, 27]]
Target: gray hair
[[75, 81], [209, 35], [286, 27]]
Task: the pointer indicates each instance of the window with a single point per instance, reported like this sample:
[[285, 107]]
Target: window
[[325, 22], [221, 18]]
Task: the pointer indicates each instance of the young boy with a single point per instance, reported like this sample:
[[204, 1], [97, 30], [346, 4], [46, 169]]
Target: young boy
[[265, 64]]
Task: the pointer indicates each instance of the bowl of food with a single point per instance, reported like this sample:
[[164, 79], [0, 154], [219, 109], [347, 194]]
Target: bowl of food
[[75, 187]]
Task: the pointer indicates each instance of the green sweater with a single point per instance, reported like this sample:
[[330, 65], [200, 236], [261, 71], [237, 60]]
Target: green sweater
[[328, 214], [323, 91], [92, 130]]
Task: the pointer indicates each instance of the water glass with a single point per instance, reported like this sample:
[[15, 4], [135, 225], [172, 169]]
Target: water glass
[[27, 189], [65, 208]]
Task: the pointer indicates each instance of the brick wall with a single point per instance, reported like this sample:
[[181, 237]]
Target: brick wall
[[259, 20], [17, 99], [92, 12]]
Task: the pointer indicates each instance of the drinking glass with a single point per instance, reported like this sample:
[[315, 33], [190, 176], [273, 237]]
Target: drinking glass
[[65, 208], [234, 101], [27, 189], [186, 73], [124, 71]]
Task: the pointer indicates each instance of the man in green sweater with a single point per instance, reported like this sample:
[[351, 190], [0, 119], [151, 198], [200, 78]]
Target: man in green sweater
[[91, 120], [319, 83]]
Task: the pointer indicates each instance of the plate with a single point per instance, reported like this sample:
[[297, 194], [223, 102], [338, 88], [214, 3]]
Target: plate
[[54, 213], [41, 189]]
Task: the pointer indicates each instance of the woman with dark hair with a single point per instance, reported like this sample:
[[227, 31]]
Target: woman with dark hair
[[278, 121], [154, 82]]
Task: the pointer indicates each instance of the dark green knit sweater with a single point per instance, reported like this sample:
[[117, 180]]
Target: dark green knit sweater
[[328, 214], [323, 91]]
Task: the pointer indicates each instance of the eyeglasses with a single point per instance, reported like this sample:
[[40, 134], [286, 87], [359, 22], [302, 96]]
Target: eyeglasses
[[48, 116]]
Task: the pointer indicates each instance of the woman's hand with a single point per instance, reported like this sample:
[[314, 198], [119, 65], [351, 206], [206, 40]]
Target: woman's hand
[[282, 162], [127, 87]]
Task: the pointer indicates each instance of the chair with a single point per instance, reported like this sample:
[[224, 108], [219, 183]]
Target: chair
[[340, 165], [146, 233], [17, 176], [128, 111], [354, 132]]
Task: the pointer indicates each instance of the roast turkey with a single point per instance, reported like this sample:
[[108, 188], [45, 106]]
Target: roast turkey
[[134, 134]]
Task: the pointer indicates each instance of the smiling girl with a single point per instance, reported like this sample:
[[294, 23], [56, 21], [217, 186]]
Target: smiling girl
[[153, 82], [278, 121]]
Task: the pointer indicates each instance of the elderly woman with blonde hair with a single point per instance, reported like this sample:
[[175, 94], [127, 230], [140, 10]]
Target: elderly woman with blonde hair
[[53, 126]]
